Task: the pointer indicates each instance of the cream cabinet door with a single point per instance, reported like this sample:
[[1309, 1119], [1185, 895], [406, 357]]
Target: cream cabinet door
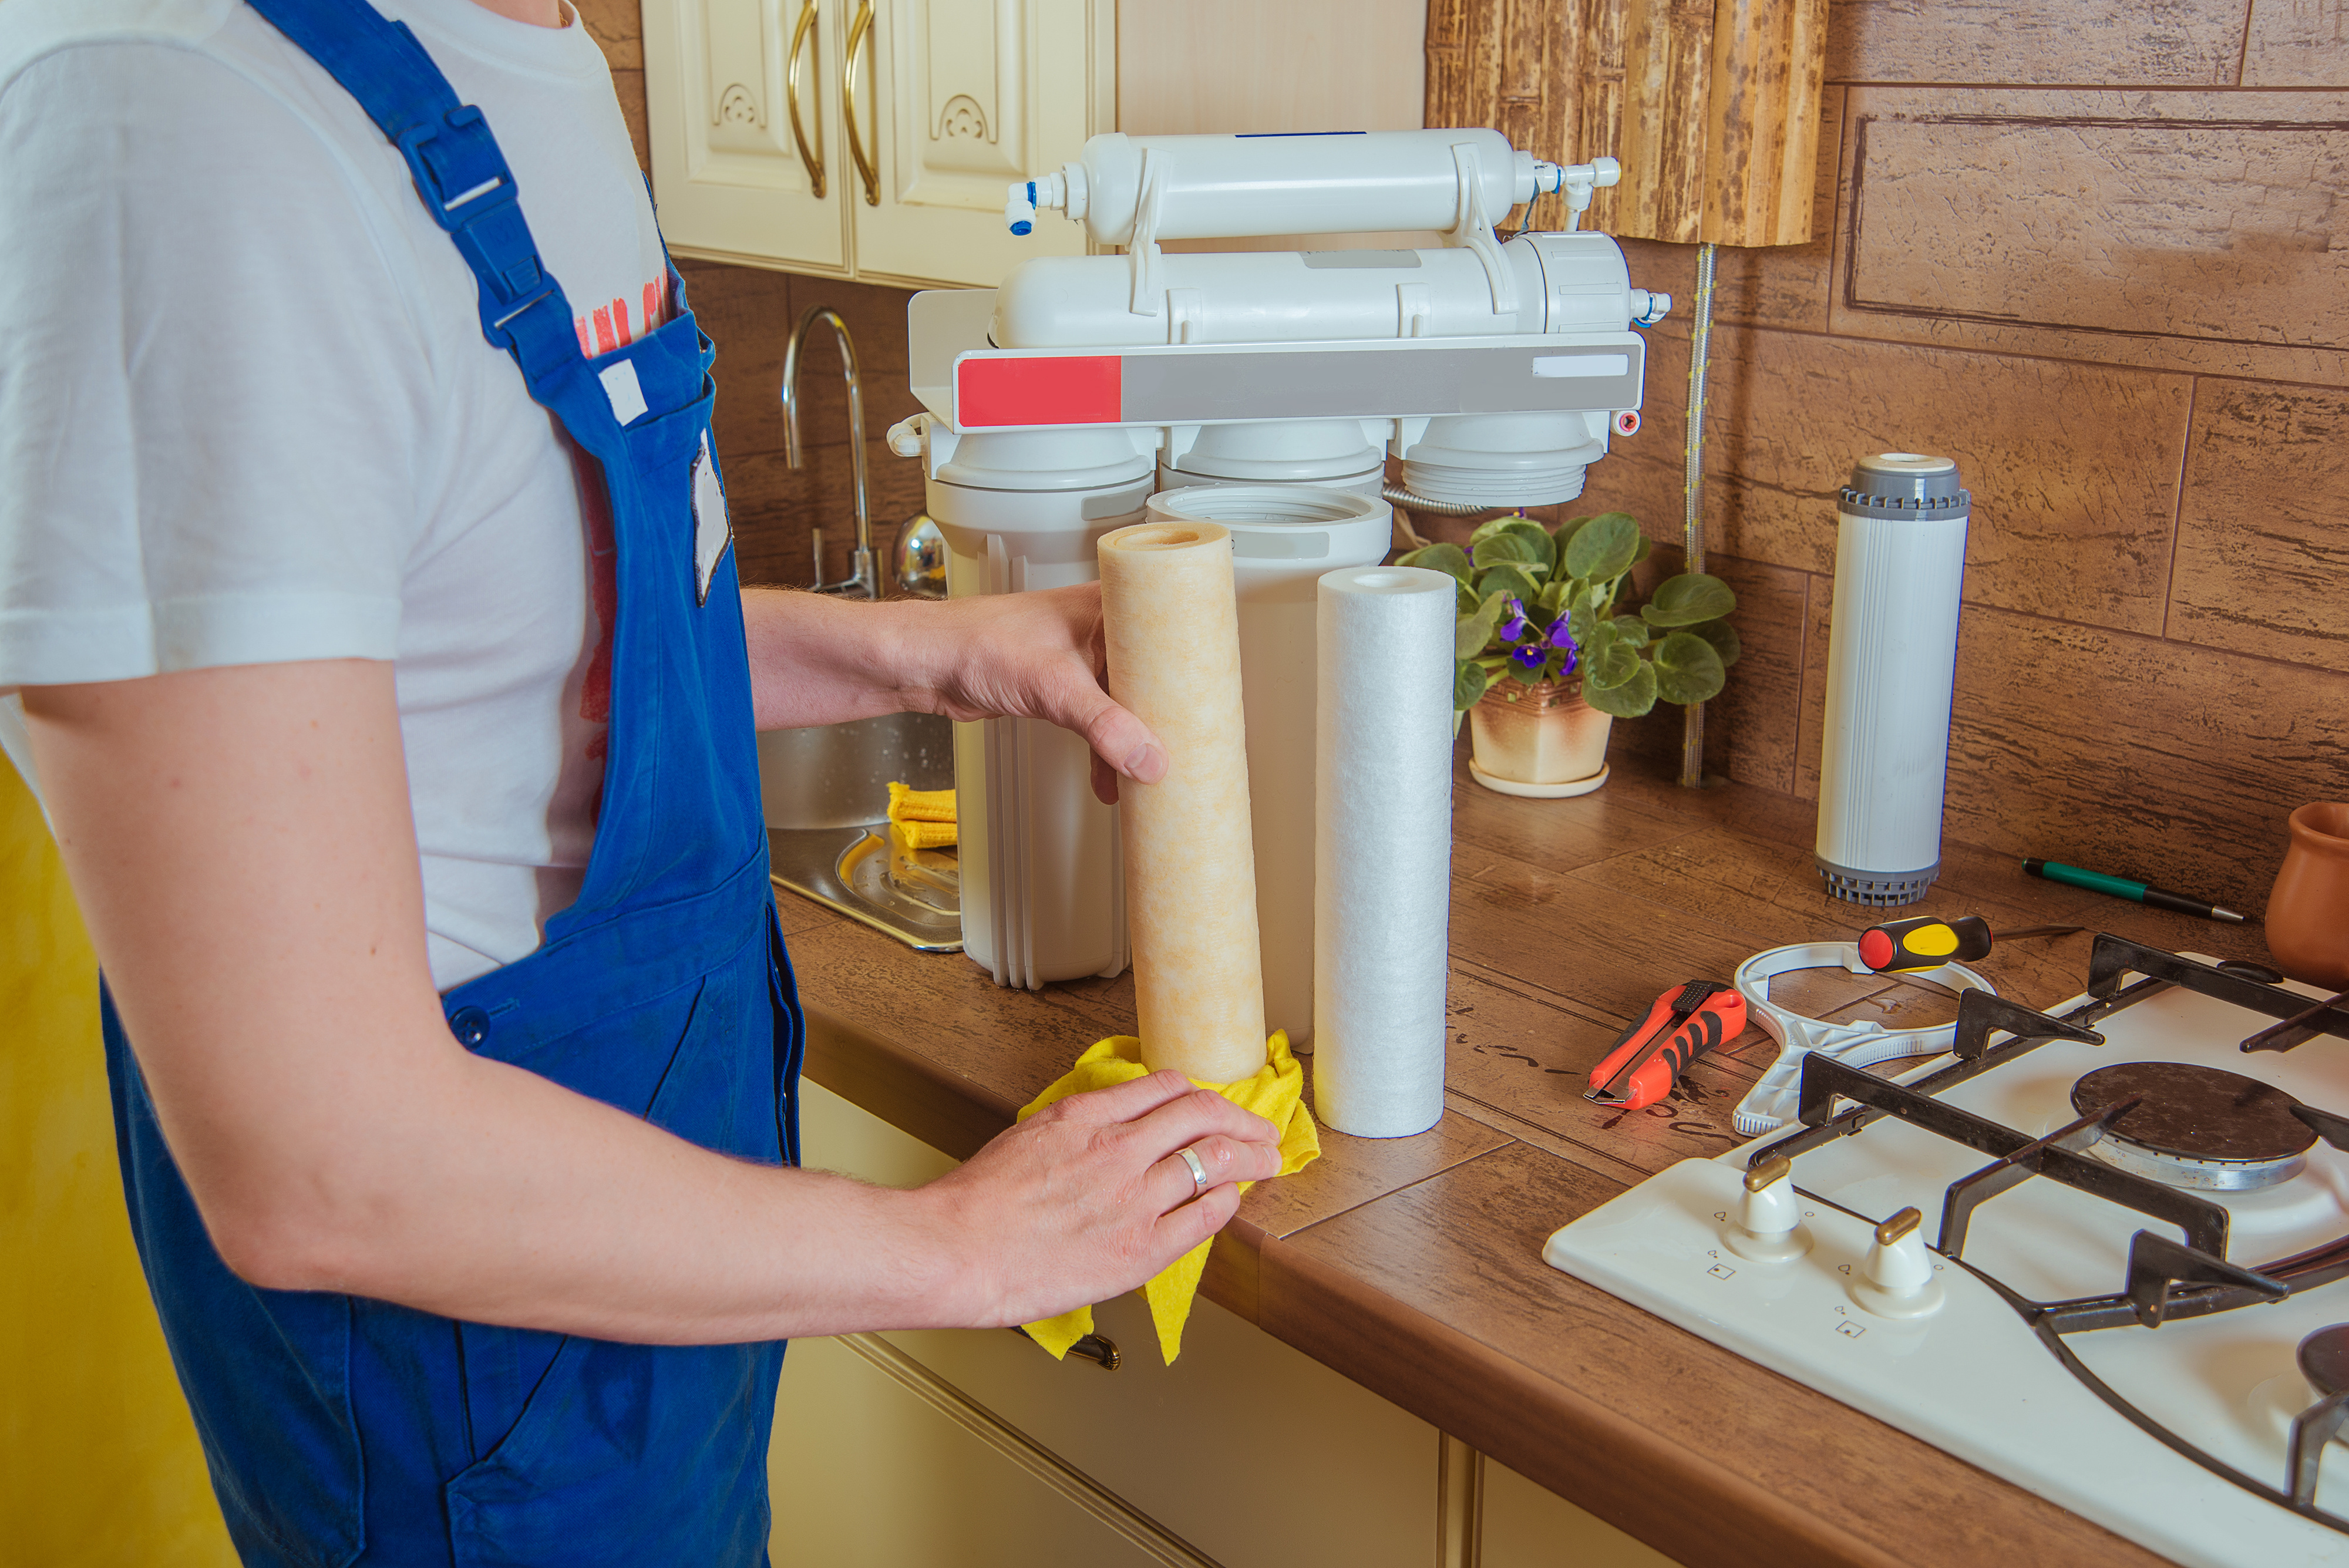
[[1244, 1452], [874, 1466], [1523, 1525], [951, 100], [743, 100]]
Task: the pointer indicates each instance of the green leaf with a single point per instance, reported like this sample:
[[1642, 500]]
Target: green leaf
[[1472, 632], [1603, 548], [1633, 633], [1611, 665], [1444, 557], [1630, 700], [1511, 547], [1567, 531], [1687, 600], [1646, 546], [1531, 534], [1724, 638], [1687, 669], [1551, 601], [1510, 579], [1468, 683]]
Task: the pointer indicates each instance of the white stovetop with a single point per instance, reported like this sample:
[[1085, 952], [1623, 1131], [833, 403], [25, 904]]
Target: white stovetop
[[1973, 1379]]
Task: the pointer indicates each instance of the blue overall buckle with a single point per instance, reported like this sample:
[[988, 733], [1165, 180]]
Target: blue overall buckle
[[463, 178]]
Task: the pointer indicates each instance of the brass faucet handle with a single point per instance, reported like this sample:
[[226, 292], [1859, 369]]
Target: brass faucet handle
[[1769, 1173], [1900, 1225]]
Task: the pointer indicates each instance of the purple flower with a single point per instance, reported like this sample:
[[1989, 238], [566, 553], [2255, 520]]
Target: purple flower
[[1566, 666], [1527, 658], [1514, 627], [1558, 637]]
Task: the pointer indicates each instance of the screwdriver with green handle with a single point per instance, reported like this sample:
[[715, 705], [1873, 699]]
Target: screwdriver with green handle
[[2122, 887]]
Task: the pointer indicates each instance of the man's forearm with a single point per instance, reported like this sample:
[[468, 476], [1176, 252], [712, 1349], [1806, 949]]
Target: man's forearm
[[820, 659], [241, 843]]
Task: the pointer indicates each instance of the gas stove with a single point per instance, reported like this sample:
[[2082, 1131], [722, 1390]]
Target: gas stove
[[2098, 1252]]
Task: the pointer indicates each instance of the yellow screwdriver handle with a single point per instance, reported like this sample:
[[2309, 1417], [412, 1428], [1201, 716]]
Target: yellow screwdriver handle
[[1928, 941]]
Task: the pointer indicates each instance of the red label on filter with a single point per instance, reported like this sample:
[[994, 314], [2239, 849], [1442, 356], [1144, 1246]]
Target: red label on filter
[[1056, 391]]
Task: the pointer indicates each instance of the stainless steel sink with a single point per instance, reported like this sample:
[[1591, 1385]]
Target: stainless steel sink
[[826, 792]]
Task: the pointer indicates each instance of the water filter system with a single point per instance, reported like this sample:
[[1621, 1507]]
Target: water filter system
[[1495, 372], [1892, 655]]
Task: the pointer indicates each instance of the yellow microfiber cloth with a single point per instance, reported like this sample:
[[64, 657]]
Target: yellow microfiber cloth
[[921, 819], [1276, 1092]]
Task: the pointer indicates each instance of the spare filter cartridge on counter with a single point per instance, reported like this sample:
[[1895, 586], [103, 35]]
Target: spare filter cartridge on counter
[[1173, 633], [1892, 652], [1284, 537], [1382, 831]]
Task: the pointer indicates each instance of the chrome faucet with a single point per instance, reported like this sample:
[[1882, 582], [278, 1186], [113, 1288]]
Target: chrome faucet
[[864, 579]]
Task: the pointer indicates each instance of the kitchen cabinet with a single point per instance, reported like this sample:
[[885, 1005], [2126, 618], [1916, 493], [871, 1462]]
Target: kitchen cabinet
[[874, 139], [869, 139], [974, 1447]]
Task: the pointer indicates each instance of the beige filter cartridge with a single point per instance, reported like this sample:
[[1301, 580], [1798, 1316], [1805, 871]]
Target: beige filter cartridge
[[1172, 625]]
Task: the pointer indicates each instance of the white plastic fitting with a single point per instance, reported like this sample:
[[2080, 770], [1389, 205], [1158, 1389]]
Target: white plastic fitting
[[1769, 1226], [1897, 1280], [1578, 180]]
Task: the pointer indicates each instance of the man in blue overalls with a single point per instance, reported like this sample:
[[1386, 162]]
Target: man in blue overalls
[[453, 1040]]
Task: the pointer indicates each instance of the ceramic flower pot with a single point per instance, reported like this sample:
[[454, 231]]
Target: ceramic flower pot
[[2308, 912], [1543, 741]]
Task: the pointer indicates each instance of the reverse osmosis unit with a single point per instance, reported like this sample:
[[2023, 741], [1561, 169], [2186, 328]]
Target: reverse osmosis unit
[[1497, 372]]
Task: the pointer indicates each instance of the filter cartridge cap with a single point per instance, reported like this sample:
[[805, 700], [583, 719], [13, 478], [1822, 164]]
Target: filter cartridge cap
[[1905, 484]]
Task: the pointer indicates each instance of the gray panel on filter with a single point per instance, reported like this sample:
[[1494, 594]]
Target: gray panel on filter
[[1306, 383]]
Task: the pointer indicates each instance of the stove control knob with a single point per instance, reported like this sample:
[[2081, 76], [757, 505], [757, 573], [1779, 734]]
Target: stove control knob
[[1898, 1280], [1769, 1226]]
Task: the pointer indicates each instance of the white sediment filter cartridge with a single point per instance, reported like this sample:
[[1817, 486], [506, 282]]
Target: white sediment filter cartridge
[[1383, 861], [1284, 537], [1892, 653]]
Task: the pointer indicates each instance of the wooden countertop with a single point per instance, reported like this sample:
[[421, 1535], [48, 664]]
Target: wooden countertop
[[1414, 1265]]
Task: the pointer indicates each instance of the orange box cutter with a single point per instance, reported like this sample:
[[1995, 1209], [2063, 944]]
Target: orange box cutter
[[1649, 1058]]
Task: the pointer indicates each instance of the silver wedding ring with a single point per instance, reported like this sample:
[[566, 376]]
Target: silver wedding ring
[[1198, 1172]]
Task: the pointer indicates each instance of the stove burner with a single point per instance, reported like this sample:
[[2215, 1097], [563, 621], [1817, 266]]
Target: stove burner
[[2198, 1127], [2324, 1359]]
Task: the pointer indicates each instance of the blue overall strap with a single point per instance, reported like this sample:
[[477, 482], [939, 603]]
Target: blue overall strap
[[459, 173]]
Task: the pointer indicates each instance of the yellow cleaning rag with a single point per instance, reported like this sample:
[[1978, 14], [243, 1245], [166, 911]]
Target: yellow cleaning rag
[[921, 819], [1276, 1092]]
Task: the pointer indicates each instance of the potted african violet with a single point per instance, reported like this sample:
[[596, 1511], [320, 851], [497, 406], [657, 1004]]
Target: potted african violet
[[1547, 664]]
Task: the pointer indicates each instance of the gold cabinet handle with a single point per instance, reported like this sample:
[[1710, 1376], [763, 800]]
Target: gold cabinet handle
[[813, 161], [860, 35]]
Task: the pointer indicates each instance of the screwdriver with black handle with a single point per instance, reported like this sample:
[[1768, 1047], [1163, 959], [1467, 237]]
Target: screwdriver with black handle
[[1928, 941]]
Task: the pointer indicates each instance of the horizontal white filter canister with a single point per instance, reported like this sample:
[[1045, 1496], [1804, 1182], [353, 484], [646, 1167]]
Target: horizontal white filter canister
[[1892, 653], [1564, 284], [1284, 537], [1382, 859], [1211, 187]]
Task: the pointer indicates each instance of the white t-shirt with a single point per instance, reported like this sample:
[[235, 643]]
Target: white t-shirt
[[247, 414]]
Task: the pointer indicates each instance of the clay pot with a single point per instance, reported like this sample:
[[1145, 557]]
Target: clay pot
[[1543, 739], [2308, 912]]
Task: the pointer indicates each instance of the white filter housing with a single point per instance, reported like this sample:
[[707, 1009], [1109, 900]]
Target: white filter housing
[[1042, 898], [1892, 654], [1284, 538]]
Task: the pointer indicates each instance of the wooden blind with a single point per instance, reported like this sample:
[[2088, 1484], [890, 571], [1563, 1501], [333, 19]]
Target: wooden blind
[[1712, 106]]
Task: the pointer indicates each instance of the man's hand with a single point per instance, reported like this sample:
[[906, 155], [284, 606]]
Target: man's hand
[[1088, 1197], [818, 660]]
